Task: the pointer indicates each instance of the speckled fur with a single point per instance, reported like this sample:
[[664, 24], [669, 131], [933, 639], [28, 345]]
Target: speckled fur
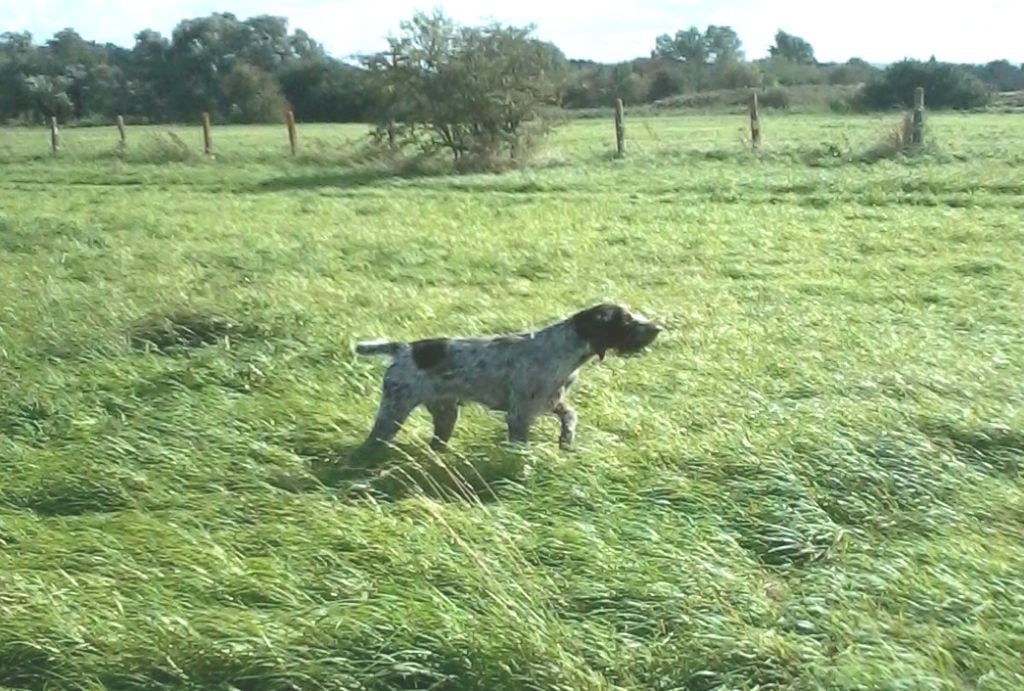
[[524, 375]]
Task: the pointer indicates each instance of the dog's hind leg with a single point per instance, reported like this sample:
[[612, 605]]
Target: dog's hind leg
[[445, 414], [567, 419], [396, 405]]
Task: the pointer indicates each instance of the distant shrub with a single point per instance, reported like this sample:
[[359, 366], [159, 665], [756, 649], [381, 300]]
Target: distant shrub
[[779, 99], [789, 73], [665, 83], [840, 105], [93, 120], [945, 85], [253, 95], [736, 75], [853, 71]]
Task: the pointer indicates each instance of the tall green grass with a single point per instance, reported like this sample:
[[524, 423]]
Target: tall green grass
[[812, 481]]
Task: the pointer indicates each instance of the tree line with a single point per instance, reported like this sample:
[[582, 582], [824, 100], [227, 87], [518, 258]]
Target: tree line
[[248, 70], [434, 72]]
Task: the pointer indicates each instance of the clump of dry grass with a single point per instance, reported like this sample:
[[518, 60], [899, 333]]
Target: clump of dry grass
[[162, 147], [898, 142]]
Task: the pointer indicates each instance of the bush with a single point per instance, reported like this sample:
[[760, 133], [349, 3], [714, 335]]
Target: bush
[[945, 86], [790, 73], [252, 95], [853, 71], [840, 105], [666, 82], [481, 92], [325, 90], [736, 75], [779, 99]]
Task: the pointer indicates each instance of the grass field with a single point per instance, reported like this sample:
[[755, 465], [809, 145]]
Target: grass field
[[813, 480]]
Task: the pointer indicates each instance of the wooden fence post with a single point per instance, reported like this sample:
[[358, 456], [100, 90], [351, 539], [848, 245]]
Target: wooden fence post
[[207, 143], [620, 134], [292, 135], [54, 135], [120, 129], [917, 133], [392, 143], [755, 122]]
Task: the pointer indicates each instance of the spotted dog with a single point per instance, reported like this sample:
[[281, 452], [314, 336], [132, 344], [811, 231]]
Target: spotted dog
[[524, 375]]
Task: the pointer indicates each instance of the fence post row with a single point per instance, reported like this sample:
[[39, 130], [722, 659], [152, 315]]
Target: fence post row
[[917, 131]]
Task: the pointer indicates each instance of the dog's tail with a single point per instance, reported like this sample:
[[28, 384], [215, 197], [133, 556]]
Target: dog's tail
[[379, 347]]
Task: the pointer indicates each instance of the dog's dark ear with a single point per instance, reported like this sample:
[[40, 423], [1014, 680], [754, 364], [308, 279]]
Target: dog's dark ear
[[601, 326]]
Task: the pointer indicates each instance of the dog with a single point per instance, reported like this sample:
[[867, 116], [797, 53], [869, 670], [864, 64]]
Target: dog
[[524, 375]]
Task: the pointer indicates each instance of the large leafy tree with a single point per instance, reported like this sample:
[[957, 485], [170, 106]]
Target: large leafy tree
[[792, 48], [716, 45], [687, 46]]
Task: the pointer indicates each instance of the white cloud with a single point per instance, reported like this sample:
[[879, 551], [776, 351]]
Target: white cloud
[[877, 30]]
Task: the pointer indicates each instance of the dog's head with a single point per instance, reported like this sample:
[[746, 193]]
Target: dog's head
[[613, 327]]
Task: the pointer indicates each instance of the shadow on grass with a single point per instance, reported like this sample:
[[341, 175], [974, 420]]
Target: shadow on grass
[[358, 174], [993, 449], [345, 179], [187, 329], [101, 492], [27, 665], [463, 176], [445, 180], [393, 472]]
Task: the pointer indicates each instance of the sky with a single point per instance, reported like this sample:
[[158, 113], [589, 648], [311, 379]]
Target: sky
[[878, 31]]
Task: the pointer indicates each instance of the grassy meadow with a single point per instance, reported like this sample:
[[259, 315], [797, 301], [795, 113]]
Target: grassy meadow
[[812, 481]]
